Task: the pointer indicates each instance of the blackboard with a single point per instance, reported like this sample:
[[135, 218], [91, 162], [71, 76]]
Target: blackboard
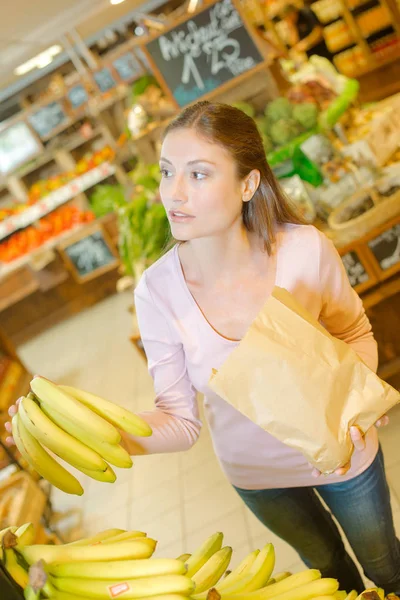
[[386, 248], [47, 119], [89, 254], [355, 269], [105, 80], [127, 67], [203, 53], [77, 96]]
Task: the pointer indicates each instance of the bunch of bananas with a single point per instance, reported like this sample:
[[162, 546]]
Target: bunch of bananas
[[117, 563], [77, 426]]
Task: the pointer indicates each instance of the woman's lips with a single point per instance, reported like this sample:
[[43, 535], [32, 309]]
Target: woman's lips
[[177, 216]]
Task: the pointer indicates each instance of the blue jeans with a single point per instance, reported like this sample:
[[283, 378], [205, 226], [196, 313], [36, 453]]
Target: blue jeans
[[361, 506]]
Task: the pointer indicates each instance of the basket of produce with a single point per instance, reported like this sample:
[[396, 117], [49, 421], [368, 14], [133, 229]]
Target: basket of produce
[[367, 209]]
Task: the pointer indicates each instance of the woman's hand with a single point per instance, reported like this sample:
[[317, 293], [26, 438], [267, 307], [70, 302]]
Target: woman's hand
[[11, 411], [359, 444]]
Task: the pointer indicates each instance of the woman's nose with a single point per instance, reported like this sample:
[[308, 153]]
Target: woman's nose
[[179, 191]]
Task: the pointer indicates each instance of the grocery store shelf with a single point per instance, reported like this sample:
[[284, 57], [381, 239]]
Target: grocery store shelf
[[380, 32], [364, 7], [55, 199]]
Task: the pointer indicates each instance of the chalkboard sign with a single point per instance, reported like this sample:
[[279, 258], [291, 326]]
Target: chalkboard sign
[[355, 269], [105, 80], [127, 67], [386, 248], [89, 254], [77, 96], [48, 119], [204, 52]]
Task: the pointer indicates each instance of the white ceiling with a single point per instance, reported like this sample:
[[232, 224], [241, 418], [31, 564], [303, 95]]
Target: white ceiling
[[27, 27]]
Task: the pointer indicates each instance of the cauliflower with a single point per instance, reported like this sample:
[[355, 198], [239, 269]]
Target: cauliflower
[[278, 109], [284, 130], [306, 114]]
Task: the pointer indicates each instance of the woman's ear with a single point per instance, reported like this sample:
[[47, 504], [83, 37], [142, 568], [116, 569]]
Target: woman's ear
[[250, 185]]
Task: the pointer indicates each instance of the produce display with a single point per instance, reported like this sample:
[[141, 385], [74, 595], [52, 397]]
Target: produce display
[[32, 237], [117, 563], [78, 427]]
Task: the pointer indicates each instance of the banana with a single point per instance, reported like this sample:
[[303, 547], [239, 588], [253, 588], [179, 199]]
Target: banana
[[56, 595], [258, 575], [281, 576], [15, 568], [184, 557], [270, 591], [40, 460], [112, 453], [55, 439], [129, 588], [203, 553], [340, 595], [352, 595], [325, 597], [212, 571], [242, 569], [378, 592], [120, 569], [25, 534], [52, 395], [139, 548], [107, 476], [124, 537], [319, 587], [117, 415], [99, 537]]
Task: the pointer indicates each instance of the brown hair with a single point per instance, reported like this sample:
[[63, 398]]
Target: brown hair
[[232, 129]]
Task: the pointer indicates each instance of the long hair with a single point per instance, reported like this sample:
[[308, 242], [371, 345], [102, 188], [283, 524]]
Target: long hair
[[237, 133]]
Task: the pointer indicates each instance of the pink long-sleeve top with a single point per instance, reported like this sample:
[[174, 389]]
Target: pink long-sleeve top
[[182, 349]]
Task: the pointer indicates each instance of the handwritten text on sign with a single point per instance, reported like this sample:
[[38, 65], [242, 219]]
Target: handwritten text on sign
[[204, 52]]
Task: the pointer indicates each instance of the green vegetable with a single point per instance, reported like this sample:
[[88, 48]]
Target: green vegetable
[[106, 198], [141, 85], [247, 108], [278, 109], [147, 177], [284, 130], [306, 114]]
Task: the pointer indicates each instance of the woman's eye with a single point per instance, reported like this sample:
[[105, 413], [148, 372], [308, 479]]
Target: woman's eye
[[165, 173], [198, 176]]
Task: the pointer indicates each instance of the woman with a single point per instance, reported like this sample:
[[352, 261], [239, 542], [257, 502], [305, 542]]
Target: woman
[[238, 237]]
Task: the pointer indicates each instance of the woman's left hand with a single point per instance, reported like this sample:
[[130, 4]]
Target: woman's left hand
[[359, 444]]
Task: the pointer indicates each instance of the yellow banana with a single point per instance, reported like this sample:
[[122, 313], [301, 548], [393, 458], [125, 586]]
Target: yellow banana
[[40, 460], [242, 569], [319, 587], [258, 575], [203, 553], [124, 537], [128, 588], [325, 597], [340, 595], [107, 476], [52, 395], [15, 568], [112, 453], [119, 569], [212, 571], [25, 534], [55, 439], [368, 593], [139, 548], [281, 576], [99, 537], [352, 595], [56, 595], [117, 415], [184, 557], [270, 591]]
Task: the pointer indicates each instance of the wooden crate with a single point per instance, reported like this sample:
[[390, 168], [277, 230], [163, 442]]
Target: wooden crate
[[21, 501]]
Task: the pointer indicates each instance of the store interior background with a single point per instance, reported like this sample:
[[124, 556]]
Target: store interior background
[[177, 498]]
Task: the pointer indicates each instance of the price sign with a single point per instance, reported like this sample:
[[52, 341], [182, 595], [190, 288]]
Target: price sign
[[204, 53], [105, 80], [89, 254], [77, 96], [127, 67], [385, 249], [48, 119], [17, 145]]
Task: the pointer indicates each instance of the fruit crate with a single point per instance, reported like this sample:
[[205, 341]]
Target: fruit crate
[[25, 501]]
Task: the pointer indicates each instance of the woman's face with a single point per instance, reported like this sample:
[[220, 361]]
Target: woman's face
[[199, 188]]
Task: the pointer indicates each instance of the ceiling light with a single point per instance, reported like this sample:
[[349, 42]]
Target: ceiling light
[[139, 30], [116, 1], [39, 61]]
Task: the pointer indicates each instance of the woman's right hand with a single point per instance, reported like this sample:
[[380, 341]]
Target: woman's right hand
[[11, 411]]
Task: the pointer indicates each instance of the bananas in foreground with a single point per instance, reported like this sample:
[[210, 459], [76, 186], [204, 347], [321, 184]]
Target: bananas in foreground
[[78, 427], [119, 564]]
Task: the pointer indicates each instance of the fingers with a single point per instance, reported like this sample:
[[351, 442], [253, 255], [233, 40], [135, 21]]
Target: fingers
[[357, 438], [315, 473], [383, 421], [14, 408], [342, 470], [9, 441], [8, 426]]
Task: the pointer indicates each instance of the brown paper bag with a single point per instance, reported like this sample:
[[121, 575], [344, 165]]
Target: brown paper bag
[[302, 385]]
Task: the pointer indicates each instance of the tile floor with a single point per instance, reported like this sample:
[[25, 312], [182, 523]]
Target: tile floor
[[178, 498]]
